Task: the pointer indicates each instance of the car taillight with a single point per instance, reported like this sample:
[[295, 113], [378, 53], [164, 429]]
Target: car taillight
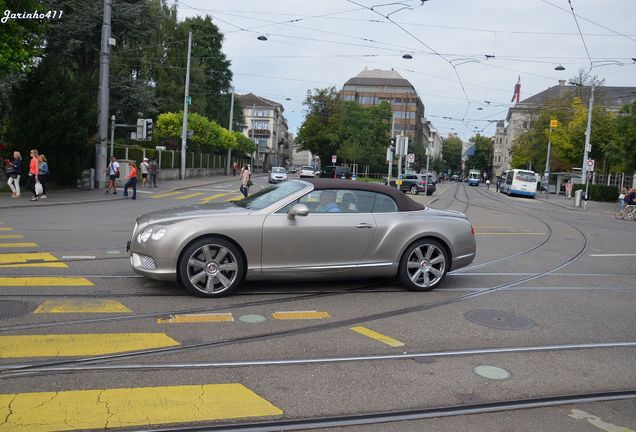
[[421, 182]]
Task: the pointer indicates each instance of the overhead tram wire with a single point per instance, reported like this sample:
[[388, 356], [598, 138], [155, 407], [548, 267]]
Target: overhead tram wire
[[587, 51]]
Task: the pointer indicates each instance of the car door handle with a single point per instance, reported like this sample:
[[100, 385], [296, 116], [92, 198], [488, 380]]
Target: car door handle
[[364, 225]]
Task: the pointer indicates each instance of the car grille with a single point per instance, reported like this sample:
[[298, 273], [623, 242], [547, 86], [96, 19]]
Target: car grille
[[144, 262]]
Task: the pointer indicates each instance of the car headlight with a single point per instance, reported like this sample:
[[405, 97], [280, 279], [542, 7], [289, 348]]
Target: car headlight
[[144, 236], [158, 235]]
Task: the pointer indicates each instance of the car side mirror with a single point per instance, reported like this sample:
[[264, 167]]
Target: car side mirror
[[297, 210]]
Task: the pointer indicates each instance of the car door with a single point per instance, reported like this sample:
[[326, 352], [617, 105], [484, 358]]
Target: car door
[[324, 240]]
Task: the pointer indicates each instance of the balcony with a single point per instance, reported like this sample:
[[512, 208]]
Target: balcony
[[259, 132]]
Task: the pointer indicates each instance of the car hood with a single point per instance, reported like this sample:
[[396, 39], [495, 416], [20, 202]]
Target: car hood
[[177, 214]]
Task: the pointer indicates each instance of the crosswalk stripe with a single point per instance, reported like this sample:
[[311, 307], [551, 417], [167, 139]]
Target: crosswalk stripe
[[377, 336], [299, 315], [6, 229], [167, 194], [11, 236], [82, 306], [16, 245], [30, 281], [190, 195], [235, 198], [22, 260], [85, 344], [213, 197], [197, 318], [128, 407]]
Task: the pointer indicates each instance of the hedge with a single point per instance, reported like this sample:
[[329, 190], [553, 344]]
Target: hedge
[[597, 192]]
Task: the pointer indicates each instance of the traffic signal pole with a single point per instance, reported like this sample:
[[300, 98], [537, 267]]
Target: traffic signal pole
[[104, 71], [184, 130]]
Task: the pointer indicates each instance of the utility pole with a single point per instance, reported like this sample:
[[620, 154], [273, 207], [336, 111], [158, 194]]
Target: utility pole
[[184, 130], [229, 149], [588, 146], [102, 104]]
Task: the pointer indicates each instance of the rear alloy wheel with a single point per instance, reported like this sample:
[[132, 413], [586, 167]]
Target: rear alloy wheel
[[423, 265], [415, 190], [211, 267]]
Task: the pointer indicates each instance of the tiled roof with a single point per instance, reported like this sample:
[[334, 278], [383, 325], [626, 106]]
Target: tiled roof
[[378, 77], [250, 99]]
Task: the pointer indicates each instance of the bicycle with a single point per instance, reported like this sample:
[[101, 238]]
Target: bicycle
[[628, 212]]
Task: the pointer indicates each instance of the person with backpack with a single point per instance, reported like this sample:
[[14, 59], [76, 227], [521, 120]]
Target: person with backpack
[[113, 174], [14, 169], [154, 167]]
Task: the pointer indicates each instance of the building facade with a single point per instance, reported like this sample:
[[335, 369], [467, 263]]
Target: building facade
[[267, 127], [372, 87], [522, 116]]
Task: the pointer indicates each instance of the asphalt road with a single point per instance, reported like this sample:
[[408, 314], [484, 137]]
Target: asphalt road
[[547, 310]]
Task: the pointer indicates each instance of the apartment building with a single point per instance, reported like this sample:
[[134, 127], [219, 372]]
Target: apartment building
[[267, 127]]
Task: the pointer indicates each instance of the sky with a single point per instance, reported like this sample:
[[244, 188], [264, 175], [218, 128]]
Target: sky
[[467, 55]]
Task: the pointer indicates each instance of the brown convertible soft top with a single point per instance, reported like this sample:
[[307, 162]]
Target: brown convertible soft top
[[404, 202]]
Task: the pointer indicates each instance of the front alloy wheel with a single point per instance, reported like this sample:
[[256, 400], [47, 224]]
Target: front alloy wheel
[[423, 265], [414, 190], [211, 267]]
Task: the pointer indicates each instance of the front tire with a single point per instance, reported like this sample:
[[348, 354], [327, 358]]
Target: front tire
[[423, 265], [211, 267], [414, 190]]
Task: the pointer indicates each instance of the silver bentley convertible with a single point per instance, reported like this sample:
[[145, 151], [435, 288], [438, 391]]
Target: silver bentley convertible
[[302, 229]]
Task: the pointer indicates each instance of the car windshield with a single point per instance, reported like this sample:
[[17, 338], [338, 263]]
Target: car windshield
[[306, 168], [278, 170], [269, 195], [526, 176]]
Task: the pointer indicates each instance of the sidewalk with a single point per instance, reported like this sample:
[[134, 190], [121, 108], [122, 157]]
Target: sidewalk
[[589, 206], [57, 197]]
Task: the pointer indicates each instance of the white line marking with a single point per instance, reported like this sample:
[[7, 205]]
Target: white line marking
[[612, 255], [79, 257]]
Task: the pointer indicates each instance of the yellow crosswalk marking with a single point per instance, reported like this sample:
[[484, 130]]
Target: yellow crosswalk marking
[[236, 198], [82, 306], [298, 315], [11, 236], [6, 229], [127, 407], [15, 260], [192, 195], [213, 197], [377, 336], [196, 318], [69, 345], [16, 245], [167, 194], [44, 281]]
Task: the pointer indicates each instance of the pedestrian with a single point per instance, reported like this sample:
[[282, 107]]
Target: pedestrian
[[34, 172], [144, 167], [44, 172], [487, 184], [622, 198], [568, 189], [497, 183], [113, 174], [154, 167], [14, 169], [131, 181], [245, 180], [234, 167]]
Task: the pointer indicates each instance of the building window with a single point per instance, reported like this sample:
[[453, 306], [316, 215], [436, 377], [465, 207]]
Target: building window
[[260, 124], [367, 100], [261, 112], [349, 97]]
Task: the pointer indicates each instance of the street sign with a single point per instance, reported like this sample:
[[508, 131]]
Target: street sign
[[189, 100], [333, 158], [554, 124], [411, 157], [590, 164]]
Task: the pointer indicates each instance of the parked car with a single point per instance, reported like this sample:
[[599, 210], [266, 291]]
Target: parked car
[[355, 229], [307, 172], [415, 183], [277, 174], [334, 171]]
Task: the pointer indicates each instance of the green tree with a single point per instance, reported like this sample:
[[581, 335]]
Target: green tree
[[482, 158], [625, 143], [316, 133], [21, 40], [452, 153]]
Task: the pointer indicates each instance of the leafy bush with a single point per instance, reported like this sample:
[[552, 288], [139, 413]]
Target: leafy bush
[[599, 192]]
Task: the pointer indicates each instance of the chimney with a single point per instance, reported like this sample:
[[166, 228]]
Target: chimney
[[561, 82]]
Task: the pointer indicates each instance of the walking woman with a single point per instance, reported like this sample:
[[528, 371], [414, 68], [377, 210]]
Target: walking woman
[[44, 171], [14, 177], [132, 181], [245, 179], [34, 172]]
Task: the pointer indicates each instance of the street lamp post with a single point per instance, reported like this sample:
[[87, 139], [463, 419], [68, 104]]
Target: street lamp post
[[112, 135], [546, 174], [588, 146], [229, 149]]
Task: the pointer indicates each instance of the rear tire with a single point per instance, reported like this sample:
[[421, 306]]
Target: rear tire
[[423, 265], [619, 214], [415, 190], [211, 267]]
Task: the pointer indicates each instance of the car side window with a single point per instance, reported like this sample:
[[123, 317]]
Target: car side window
[[411, 177], [384, 204], [335, 201]]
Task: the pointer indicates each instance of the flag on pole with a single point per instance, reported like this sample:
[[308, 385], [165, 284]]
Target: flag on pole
[[517, 93]]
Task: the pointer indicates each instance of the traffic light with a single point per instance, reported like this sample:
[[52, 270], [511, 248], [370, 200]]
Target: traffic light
[[392, 145], [148, 130]]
